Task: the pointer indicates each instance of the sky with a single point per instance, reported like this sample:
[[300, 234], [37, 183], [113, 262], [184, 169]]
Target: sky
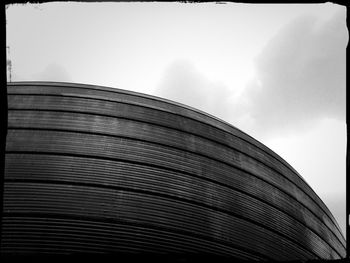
[[275, 71]]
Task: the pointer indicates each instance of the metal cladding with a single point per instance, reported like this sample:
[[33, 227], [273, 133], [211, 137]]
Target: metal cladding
[[96, 169]]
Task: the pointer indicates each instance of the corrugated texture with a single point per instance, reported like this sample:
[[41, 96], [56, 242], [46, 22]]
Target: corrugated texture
[[103, 170], [99, 101]]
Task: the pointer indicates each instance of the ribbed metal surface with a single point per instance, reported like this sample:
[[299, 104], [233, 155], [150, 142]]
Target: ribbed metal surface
[[95, 169]]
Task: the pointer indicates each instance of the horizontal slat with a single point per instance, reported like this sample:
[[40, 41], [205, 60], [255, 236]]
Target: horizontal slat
[[94, 156], [147, 209], [250, 198], [122, 109], [119, 95], [66, 235], [240, 206], [152, 133], [126, 149]]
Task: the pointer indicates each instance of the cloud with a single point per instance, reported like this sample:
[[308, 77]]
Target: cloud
[[53, 72], [182, 82], [299, 80], [300, 77]]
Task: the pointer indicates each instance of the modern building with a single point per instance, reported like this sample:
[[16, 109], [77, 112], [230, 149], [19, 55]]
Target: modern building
[[96, 169]]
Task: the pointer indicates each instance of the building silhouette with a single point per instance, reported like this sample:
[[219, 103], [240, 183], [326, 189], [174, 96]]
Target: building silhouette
[[92, 169]]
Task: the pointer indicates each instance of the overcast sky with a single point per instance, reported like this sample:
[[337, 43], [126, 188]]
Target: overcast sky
[[277, 72]]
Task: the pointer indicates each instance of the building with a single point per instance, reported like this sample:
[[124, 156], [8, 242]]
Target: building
[[96, 169]]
